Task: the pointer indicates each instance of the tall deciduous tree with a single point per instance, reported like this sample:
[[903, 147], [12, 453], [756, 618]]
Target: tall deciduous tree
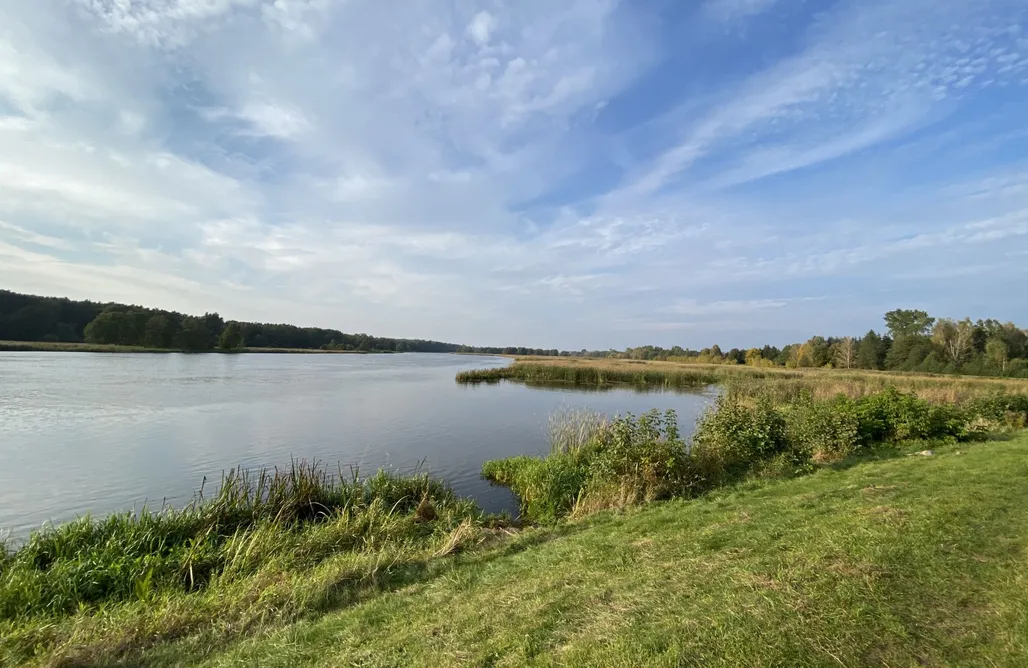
[[908, 322], [998, 353], [231, 337], [194, 335], [955, 339], [846, 353], [159, 332], [816, 352]]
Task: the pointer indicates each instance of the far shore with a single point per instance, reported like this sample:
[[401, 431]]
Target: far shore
[[71, 347]]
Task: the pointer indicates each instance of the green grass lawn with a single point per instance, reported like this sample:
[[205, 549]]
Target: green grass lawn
[[908, 561]]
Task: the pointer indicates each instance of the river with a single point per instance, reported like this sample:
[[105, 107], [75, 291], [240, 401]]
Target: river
[[98, 433]]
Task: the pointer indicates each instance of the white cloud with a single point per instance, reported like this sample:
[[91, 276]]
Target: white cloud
[[694, 308], [367, 166], [481, 27], [162, 22], [881, 65], [274, 120]]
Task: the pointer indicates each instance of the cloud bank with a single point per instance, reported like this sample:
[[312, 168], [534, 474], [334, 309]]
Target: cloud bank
[[587, 173]]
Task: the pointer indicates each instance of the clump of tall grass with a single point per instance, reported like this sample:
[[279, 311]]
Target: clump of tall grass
[[630, 460], [596, 463], [295, 517], [571, 429]]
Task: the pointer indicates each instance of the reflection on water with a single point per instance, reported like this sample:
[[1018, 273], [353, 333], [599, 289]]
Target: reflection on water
[[600, 389], [84, 433]]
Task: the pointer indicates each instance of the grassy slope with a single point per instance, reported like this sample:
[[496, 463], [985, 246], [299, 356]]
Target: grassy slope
[[909, 561]]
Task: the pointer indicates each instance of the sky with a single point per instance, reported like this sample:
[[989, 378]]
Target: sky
[[582, 173]]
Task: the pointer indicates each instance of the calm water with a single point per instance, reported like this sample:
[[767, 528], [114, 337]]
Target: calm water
[[98, 433]]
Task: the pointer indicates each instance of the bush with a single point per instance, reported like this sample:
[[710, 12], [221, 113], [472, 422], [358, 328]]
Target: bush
[[891, 415], [825, 431], [999, 411], [731, 437]]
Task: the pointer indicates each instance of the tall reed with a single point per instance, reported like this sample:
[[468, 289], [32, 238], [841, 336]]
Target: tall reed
[[743, 382], [571, 429], [244, 524]]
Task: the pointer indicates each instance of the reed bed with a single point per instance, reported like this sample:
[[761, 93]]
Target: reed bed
[[743, 381], [682, 377], [572, 429], [278, 544]]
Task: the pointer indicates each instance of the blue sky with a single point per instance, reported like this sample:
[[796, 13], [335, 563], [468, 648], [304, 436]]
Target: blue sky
[[585, 173]]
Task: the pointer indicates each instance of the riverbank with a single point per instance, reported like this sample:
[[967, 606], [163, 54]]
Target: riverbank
[[67, 347], [907, 560], [895, 559], [277, 553], [742, 381]]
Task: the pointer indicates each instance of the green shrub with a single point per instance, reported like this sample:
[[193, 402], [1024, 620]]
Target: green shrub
[[596, 464], [647, 451], [731, 437], [998, 411], [891, 415], [875, 418], [824, 431]]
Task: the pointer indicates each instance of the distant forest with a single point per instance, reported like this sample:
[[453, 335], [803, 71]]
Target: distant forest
[[32, 318], [57, 319], [912, 341]]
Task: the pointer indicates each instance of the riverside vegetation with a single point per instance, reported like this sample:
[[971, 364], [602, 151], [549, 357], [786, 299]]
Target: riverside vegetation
[[270, 547], [914, 341], [275, 551], [745, 382]]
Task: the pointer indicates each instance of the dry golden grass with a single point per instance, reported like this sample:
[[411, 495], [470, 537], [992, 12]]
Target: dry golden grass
[[784, 384]]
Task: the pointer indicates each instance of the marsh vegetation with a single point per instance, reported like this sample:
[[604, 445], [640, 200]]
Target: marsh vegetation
[[742, 381], [597, 463], [269, 546]]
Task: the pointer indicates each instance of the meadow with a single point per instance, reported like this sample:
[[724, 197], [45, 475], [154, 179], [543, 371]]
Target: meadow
[[743, 381]]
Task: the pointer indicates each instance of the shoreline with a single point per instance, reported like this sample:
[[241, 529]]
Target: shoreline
[[74, 347]]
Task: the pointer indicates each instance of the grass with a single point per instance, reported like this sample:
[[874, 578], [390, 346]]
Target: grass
[[269, 547], [743, 381], [900, 561], [67, 347]]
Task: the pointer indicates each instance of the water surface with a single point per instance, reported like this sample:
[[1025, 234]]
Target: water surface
[[96, 433]]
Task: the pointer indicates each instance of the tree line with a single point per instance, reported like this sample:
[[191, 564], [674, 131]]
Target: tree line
[[912, 341], [55, 319]]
